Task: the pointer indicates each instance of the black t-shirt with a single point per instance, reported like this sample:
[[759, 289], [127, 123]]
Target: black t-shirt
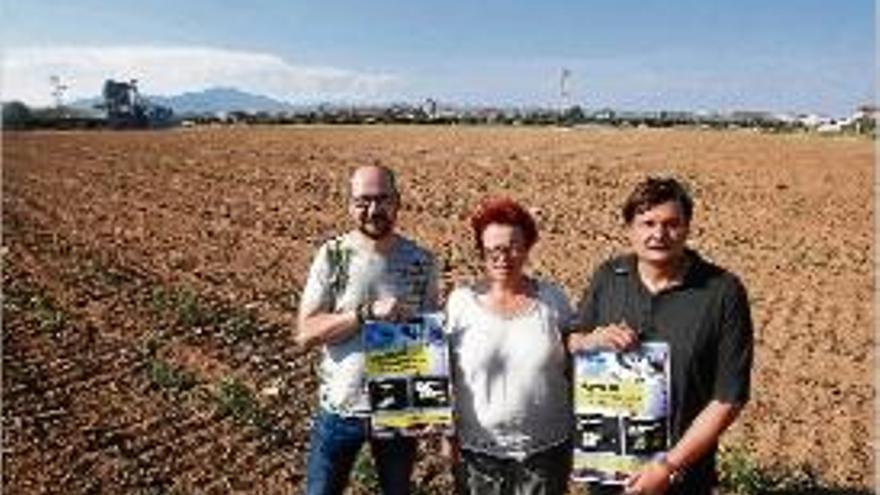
[[706, 321]]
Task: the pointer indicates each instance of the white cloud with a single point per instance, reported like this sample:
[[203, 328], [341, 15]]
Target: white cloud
[[173, 70]]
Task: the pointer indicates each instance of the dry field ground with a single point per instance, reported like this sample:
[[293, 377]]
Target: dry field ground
[[150, 283]]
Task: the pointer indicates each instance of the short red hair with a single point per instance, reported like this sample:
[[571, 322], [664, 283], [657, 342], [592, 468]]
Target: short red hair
[[502, 211]]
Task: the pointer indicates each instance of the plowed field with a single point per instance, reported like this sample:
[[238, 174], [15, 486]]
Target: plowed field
[[151, 278]]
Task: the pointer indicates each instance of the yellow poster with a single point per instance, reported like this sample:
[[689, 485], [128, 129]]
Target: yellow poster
[[407, 376], [413, 360], [622, 412]]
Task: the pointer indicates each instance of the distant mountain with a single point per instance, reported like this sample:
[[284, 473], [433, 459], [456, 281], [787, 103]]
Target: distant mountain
[[221, 100], [211, 100]]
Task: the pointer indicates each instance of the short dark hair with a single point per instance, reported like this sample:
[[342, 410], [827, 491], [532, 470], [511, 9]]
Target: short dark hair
[[655, 191], [502, 211]]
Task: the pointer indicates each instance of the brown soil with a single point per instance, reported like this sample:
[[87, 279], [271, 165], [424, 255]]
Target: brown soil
[[145, 270]]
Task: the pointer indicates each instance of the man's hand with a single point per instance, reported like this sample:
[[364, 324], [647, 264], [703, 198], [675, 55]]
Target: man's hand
[[653, 479], [449, 449], [391, 309], [616, 337]]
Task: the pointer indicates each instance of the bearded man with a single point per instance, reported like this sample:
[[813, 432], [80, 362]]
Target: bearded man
[[368, 273]]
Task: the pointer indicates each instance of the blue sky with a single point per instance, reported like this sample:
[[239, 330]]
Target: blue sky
[[783, 55]]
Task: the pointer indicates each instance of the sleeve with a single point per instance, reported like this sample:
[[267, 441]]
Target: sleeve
[[317, 293], [587, 313], [453, 310], [451, 327], [565, 316], [735, 346]]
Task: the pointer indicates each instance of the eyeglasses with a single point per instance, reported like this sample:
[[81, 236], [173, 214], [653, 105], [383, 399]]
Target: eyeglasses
[[500, 252], [363, 202]]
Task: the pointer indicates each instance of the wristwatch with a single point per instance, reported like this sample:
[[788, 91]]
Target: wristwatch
[[364, 312]]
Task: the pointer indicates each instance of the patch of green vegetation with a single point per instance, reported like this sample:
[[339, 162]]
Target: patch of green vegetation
[[151, 346], [237, 400], [364, 473], [741, 474], [239, 325], [189, 310], [183, 304], [103, 273], [160, 299], [167, 376], [50, 318], [162, 374]]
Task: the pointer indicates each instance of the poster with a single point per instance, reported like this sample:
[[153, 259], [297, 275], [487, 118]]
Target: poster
[[622, 409], [407, 376]]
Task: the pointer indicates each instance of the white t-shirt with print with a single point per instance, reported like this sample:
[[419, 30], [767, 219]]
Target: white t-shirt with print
[[406, 272]]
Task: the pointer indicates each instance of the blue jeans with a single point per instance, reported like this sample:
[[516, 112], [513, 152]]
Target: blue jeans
[[334, 445]]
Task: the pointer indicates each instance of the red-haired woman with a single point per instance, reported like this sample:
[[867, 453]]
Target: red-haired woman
[[513, 408]]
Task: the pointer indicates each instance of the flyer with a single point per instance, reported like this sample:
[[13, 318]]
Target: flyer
[[407, 376], [621, 402]]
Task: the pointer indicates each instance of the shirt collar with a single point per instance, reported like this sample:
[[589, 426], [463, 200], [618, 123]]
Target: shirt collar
[[626, 266]]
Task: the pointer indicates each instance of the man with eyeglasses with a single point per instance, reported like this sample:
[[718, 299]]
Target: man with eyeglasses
[[368, 273]]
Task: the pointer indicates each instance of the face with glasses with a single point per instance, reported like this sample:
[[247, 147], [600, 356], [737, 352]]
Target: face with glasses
[[373, 202], [504, 251]]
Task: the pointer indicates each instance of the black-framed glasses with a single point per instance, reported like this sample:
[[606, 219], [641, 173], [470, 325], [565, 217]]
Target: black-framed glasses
[[364, 201]]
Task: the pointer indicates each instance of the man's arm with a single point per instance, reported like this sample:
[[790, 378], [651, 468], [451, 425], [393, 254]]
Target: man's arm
[[317, 323], [697, 441], [731, 392], [703, 434], [316, 327]]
